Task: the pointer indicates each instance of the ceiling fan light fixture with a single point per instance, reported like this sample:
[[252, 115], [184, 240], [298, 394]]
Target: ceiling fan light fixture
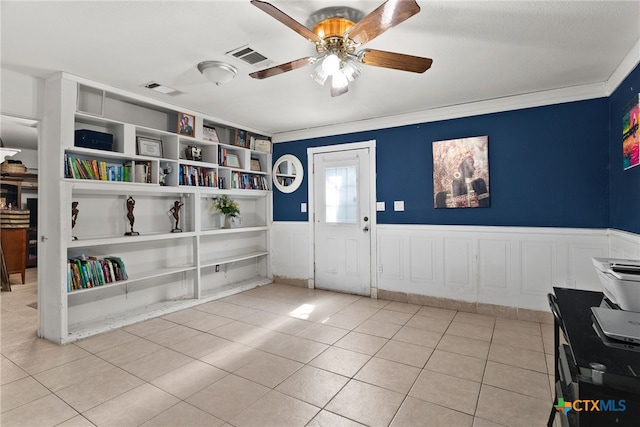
[[331, 64], [351, 68], [341, 71], [217, 72], [339, 81], [319, 74]]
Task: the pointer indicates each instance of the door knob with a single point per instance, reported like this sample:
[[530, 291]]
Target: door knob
[[366, 228]]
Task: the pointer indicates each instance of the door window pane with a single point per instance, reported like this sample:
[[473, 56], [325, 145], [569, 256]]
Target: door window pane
[[341, 195]]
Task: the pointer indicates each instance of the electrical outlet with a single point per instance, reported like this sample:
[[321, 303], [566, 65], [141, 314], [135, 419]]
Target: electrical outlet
[[217, 268], [380, 268]]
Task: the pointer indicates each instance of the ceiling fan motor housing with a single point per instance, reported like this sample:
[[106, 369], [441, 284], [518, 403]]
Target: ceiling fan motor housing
[[333, 31]]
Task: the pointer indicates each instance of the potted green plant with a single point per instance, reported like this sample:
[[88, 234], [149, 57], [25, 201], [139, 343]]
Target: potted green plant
[[227, 207]]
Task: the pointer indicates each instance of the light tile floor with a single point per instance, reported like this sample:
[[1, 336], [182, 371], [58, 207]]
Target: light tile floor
[[280, 356]]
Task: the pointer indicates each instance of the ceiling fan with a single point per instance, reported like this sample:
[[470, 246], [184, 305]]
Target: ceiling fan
[[336, 39]]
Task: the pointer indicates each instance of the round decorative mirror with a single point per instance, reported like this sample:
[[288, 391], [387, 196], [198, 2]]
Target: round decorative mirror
[[287, 173]]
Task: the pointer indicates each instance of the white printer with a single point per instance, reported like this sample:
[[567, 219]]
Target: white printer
[[620, 279]]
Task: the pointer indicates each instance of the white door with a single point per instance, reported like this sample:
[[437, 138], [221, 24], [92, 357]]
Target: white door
[[342, 223]]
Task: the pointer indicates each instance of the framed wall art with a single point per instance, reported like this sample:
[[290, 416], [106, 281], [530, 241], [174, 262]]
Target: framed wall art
[[631, 134], [461, 173]]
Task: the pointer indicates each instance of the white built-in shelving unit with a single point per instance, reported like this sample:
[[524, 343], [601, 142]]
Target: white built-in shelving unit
[[167, 270]]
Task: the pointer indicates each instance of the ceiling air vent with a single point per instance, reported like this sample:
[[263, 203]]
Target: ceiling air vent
[[250, 56], [162, 88]]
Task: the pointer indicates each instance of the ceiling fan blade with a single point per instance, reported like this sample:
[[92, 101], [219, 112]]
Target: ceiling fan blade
[[397, 61], [282, 68], [286, 20], [387, 15]]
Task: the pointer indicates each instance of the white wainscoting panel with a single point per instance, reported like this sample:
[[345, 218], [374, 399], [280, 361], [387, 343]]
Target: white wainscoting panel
[[422, 258], [458, 261], [582, 267], [510, 266], [538, 261], [494, 265], [392, 250], [290, 250], [624, 245]]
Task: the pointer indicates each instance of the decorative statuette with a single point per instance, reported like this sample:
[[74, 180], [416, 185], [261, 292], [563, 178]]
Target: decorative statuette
[[131, 204], [165, 170], [74, 216], [175, 210], [193, 152]]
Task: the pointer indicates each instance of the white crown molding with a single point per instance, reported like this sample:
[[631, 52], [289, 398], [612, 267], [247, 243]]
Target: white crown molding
[[624, 69], [517, 102]]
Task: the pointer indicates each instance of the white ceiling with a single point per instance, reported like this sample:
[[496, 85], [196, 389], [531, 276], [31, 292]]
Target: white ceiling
[[482, 50]]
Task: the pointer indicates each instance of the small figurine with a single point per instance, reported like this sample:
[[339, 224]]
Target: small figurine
[[175, 210], [131, 204], [74, 216], [164, 171]]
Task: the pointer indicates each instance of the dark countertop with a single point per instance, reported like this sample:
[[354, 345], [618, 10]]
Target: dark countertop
[[575, 309]]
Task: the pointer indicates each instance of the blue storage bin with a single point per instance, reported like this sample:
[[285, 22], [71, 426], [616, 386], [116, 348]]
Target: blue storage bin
[[92, 139]]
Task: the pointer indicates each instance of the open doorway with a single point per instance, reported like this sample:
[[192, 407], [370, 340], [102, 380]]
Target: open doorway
[[19, 201]]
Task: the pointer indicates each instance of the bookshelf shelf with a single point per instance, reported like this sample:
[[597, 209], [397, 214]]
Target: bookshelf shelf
[[151, 274], [232, 259], [234, 230], [167, 271], [119, 240]]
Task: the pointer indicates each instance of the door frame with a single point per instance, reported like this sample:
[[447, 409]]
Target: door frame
[[373, 229]]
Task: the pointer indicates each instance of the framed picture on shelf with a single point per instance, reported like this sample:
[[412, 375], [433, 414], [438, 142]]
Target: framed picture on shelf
[[233, 161], [150, 147], [255, 165], [209, 134], [263, 145], [186, 124], [241, 138]]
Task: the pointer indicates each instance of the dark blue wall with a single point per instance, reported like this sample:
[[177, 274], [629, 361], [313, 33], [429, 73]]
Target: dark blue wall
[[548, 166], [624, 195]]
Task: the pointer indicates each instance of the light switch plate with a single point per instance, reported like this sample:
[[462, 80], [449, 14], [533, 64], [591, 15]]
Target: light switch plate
[[303, 207], [398, 205], [380, 207]]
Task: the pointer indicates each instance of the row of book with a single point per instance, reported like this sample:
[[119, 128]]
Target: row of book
[[197, 176], [90, 272], [96, 169], [249, 181]]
